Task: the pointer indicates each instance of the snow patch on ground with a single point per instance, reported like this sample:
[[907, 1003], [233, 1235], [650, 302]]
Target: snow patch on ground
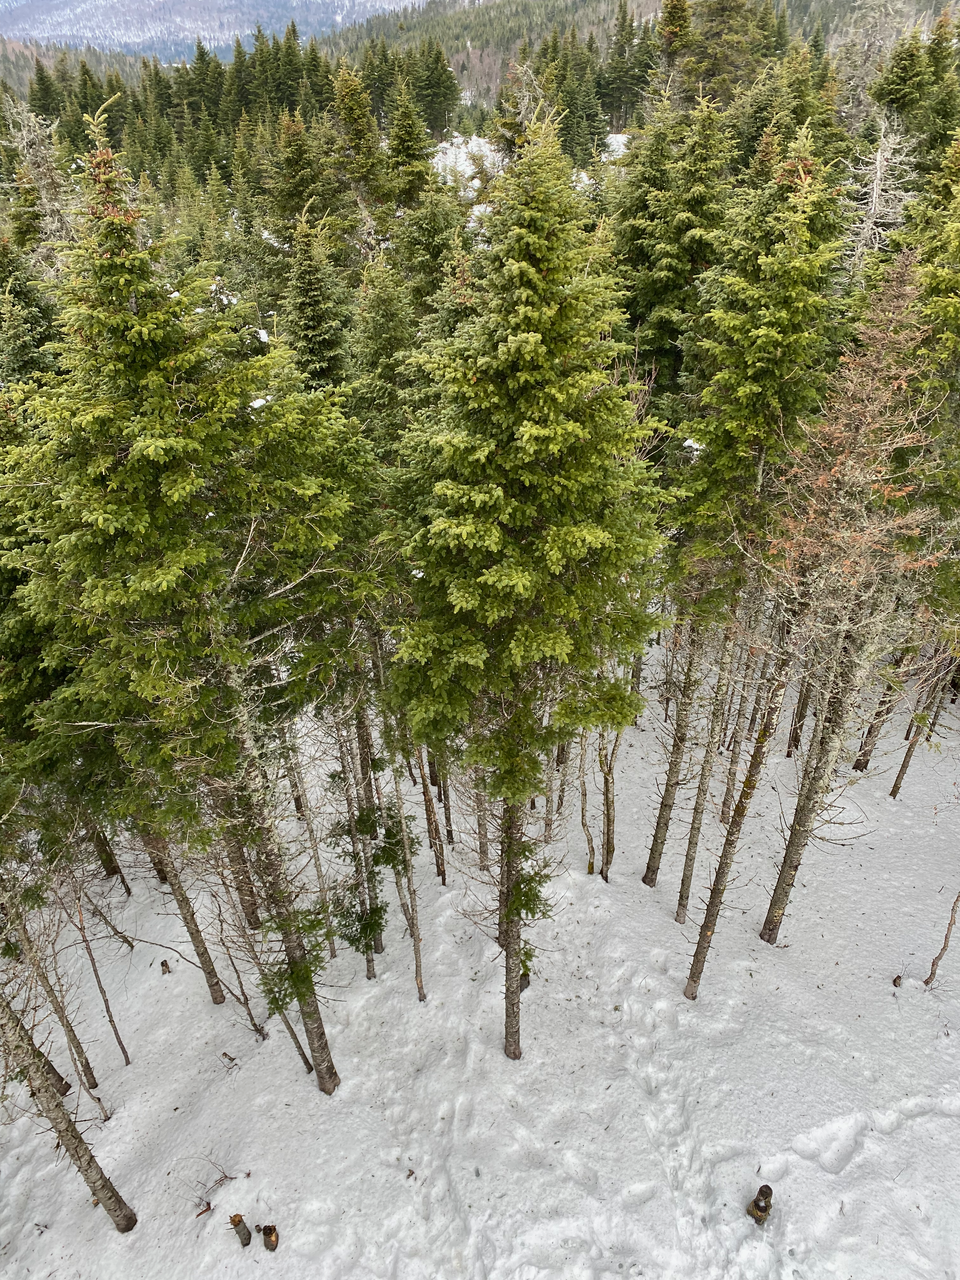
[[636, 1127]]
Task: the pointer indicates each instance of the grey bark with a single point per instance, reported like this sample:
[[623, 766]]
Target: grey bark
[[359, 856], [608, 763], [891, 696], [777, 688], [736, 741], [56, 1004], [511, 839], [710, 750], [584, 816], [818, 772], [675, 764], [160, 856], [409, 902], [28, 1058]]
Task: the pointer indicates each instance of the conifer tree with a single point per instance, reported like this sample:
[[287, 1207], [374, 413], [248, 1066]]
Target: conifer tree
[[677, 239], [315, 309], [409, 148], [527, 519], [757, 354], [185, 481]]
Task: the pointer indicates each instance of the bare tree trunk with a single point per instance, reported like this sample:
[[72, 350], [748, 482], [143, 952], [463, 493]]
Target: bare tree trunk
[[359, 860], [367, 817], [483, 833], [799, 716], [279, 897], [100, 987], [777, 688], [57, 1081], [817, 778], [161, 857], [946, 942], [447, 816], [273, 876], [891, 696], [235, 848], [563, 764], [761, 692], [706, 772], [736, 741], [56, 1004], [433, 824], [108, 858], [675, 765], [511, 840], [608, 762], [409, 904], [28, 1058], [919, 725], [584, 817], [301, 800]]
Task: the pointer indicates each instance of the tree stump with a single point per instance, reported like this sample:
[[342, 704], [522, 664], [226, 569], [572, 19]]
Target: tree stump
[[759, 1206], [241, 1228], [270, 1238]]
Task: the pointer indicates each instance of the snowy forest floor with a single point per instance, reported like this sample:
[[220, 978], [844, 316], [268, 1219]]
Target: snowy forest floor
[[633, 1132]]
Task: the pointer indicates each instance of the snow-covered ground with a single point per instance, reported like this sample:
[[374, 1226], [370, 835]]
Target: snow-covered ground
[[628, 1139]]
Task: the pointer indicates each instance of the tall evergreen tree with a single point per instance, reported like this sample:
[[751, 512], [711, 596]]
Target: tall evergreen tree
[[527, 519]]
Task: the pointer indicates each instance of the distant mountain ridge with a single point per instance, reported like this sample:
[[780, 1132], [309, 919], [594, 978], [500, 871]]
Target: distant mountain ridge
[[170, 28]]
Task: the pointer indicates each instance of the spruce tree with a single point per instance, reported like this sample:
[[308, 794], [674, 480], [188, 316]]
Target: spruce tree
[[757, 351], [175, 496], [527, 519], [315, 309], [409, 148]]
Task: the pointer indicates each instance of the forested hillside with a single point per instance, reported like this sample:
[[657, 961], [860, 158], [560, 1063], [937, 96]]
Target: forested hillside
[[364, 487]]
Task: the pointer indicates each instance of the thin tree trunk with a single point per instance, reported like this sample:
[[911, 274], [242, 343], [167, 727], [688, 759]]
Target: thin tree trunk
[[368, 817], [29, 1059], [891, 696], [761, 692], [818, 774], [799, 716], [483, 834], [291, 755], [584, 818], [160, 856], [359, 860], [736, 742], [946, 942], [298, 964], [563, 764], [608, 762], [918, 721], [57, 1081], [272, 873], [758, 757], [511, 840], [433, 824], [56, 1004], [706, 772], [100, 987], [108, 858], [410, 905], [447, 817], [240, 872], [675, 765]]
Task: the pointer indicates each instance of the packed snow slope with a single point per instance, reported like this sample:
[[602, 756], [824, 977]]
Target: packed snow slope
[[633, 1132]]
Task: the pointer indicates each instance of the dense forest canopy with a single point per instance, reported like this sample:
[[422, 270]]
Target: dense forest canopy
[[450, 469]]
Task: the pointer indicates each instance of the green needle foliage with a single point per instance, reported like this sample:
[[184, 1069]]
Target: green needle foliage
[[528, 517]]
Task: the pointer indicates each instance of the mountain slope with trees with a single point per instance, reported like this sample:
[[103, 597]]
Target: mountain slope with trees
[[358, 511]]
